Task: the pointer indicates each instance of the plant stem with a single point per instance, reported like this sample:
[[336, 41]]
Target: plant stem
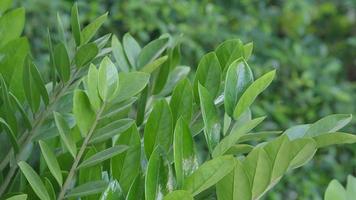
[[27, 136], [77, 159]]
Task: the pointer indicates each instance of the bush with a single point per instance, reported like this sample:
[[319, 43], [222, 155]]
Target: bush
[[113, 120]]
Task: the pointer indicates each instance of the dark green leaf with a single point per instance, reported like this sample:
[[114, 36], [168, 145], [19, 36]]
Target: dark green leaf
[[82, 111], [75, 25], [51, 162], [182, 100], [64, 132], [61, 60], [85, 54]]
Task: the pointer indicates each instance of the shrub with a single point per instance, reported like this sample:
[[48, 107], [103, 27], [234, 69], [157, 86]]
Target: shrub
[[117, 121]]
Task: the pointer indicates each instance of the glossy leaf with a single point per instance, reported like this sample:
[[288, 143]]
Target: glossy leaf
[[328, 124], [92, 87], [64, 131], [119, 54], [85, 54], [229, 51], [334, 138], [75, 25], [89, 31], [35, 181], [82, 111], [132, 49], [181, 102], [249, 96], [130, 84], [248, 50], [13, 22], [108, 81], [152, 66], [152, 51], [51, 161]]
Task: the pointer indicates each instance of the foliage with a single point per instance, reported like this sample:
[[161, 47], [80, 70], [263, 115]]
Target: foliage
[[336, 191], [115, 120]]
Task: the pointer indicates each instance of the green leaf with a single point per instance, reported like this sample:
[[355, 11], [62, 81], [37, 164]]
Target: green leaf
[[125, 167], [108, 81], [60, 28], [103, 155], [50, 188], [209, 174], [111, 130], [302, 150], [10, 134], [130, 84], [119, 54], [85, 54], [132, 49], [159, 128], [64, 132], [75, 25], [18, 197], [239, 149], [37, 78], [208, 75], [239, 76], [179, 195], [4, 6], [335, 191], [351, 187], [229, 51], [152, 66], [137, 188], [225, 144], [11, 125], [328, 124], [12, 24], [158, 180], [185, 160], [152, 51], [181, 102], [61, 60], [34, 180], [92, 87], [327, 139], [31, 90], [212, 126], [51, 161], [89, 31], [258, 136], [249, 96], [24, 115], [87, 189], [113, 192], [247, 50], [82, 111]]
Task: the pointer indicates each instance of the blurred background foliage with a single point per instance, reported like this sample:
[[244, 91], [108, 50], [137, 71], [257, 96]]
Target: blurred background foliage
[[311, 43]]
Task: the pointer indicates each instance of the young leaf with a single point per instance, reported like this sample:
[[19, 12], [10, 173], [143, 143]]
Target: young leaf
[[328, 124], [87, 189], [159, 128], [249, 96], [61, 61], [64, 131], [130, 84], [51, 161], [159, 178], [125, 167], [103, 155], [182, 101], [82, 111], [209, 174], [212, 126], [185, 161], [89, 31], [239, 76], [152, 51], [132, 49], [208, 75], [85, 54], [119, 54], [179, 195], [351, 187], [236, 133], [75, 25], [35, 181]]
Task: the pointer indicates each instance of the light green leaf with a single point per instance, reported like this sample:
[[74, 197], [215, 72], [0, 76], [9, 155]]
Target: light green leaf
[[328, 124], [185, 161], [229, 51], [212, 126], [35, 181], [335, 191], [113, 192], [351, 187], [152, 51], [51, 162], [225, 144], [75, 25], [152, 66], [327, 139], [10, 134], [239, 149], [87, 189], [111, 130], [119, 54], [108, 81], [11, 25], [258, 136], [159, 176], [92, 87], [103, 155], [4, 6], [89, 31], [132, 49], [179, 195], [137, 188], [11, 125], [31, 90], [208, 75], [249, 96], [247, 50], [82, 111], [18, 197], [130, 84], [64, 132], [182, 100], [159, 128], [239, 76], [209, 174], [85, 54], [125, 167], [61, 61]]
